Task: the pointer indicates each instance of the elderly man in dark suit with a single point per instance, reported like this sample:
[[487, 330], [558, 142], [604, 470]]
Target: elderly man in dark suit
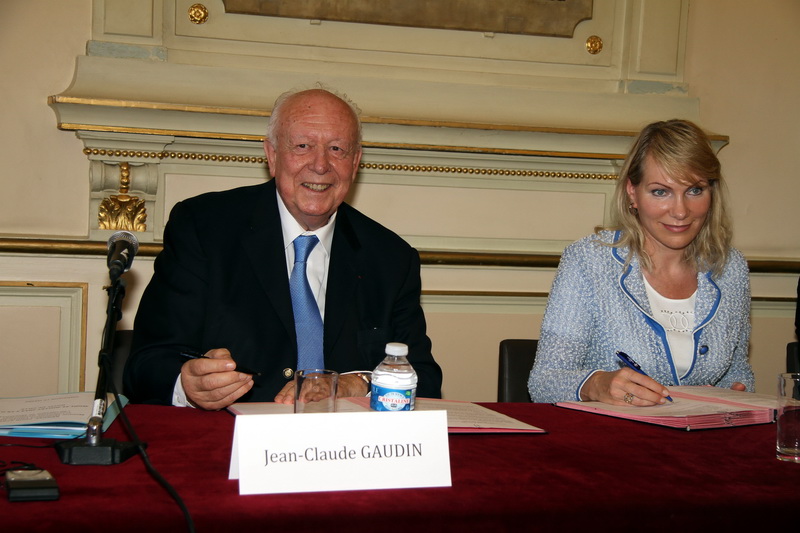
[[221, 285]]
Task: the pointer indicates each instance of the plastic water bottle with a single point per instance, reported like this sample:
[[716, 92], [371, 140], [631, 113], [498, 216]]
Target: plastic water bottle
[[394, 381]]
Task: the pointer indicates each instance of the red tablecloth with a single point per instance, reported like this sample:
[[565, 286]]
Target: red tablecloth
[[588, 471]]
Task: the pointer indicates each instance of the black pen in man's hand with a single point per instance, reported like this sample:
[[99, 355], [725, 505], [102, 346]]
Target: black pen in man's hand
[[239, 368]]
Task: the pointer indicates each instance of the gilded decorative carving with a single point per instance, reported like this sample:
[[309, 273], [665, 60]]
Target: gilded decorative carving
[[198, 14], [122, 211], [594, 44]]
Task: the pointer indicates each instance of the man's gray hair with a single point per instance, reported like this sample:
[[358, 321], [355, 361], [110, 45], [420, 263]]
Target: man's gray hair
[[275, 116]]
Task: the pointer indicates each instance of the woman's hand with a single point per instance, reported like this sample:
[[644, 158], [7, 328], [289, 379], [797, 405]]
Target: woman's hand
[[624, 387], [738, 386]]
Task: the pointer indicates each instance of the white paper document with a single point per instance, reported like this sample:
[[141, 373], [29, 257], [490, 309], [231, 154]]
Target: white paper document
[[693, 407], [54, 416], [462, 417]]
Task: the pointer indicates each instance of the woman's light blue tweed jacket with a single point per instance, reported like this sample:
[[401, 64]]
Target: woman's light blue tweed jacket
[[596, 308]]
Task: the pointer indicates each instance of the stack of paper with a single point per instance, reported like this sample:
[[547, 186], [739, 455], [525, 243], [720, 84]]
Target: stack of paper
[[57, 416], [693, 408]]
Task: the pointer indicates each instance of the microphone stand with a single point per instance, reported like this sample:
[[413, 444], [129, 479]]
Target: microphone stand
[[94, 449]]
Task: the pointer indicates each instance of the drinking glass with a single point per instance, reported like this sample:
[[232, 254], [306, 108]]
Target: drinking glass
[[315, 390], [788, 442]]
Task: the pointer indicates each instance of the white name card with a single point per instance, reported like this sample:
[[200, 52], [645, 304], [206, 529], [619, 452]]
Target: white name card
[[279, 453]]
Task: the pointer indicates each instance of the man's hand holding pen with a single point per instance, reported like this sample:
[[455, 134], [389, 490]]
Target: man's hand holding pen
[[212, 382]]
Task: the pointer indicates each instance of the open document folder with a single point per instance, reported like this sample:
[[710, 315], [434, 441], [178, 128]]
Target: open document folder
[[462, 417], [55, 416], [694, 407]]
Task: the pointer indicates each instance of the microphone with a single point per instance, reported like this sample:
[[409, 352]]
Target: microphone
[[94, 449], [122, 248]]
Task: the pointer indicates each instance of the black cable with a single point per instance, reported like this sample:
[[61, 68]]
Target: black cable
[[140, 447], [116, 292], [16, 465], [145, 458], [27, 445]]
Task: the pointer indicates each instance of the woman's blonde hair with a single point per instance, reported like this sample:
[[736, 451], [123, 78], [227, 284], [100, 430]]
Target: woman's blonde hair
[[683, 152]]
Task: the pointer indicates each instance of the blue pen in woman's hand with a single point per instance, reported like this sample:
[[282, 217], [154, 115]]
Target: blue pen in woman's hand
[[189, 354], [633, 365]]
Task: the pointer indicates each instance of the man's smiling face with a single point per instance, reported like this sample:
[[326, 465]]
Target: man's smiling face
[[316, 156]]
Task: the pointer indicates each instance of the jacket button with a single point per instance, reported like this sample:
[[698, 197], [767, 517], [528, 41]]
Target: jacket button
[[703, 350], [288, 373]]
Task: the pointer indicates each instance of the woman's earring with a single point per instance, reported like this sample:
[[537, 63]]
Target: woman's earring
[[632, 210]]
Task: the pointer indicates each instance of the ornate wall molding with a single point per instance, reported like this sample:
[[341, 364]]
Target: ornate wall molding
[[526, 134], [394, 167], [427, 257], [138, 173], [123, 211], [71, 300]]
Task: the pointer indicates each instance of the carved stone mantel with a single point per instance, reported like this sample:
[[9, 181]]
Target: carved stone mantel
[[154, 141], [523, 130]]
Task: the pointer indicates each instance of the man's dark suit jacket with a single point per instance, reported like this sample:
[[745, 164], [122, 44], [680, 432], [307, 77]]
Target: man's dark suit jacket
[[221, 282]]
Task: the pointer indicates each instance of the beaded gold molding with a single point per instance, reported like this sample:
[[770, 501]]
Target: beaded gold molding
[[224, 158], [395, 167], [488, 171]]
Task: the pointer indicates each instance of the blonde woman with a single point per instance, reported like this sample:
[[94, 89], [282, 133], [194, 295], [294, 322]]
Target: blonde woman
[[662, 284]]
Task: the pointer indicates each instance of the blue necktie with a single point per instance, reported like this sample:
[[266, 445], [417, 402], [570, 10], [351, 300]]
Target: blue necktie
[[307, 320]]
